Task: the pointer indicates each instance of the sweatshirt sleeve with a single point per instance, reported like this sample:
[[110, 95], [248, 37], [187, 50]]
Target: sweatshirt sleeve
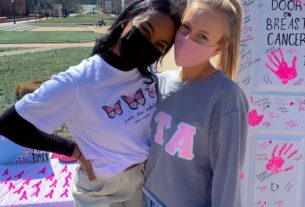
[[227, 146]]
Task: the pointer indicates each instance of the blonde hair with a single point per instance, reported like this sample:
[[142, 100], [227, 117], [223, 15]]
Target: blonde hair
[[228, 59]]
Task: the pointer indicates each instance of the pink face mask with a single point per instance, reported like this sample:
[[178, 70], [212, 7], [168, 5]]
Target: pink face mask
[[189, 53]]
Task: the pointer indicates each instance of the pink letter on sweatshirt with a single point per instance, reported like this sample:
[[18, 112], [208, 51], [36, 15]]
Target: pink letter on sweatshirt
[[182, 142], [164, 121]]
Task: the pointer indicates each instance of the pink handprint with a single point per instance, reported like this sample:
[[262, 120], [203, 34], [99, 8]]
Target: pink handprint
[[276, 163], [283, 72], [253, 118]]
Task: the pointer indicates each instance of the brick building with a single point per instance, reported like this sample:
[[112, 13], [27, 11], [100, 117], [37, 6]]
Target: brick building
[[116, 6], [6, 7], [25, 7]]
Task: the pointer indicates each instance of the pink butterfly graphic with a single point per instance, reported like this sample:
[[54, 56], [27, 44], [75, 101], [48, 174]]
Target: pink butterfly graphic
[[116, 110], [134, 102], [152, 92]]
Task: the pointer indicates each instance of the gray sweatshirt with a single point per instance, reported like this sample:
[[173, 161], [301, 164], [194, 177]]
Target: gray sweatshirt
[[198, 143]]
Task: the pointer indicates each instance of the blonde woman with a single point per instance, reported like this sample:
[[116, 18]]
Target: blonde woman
[[200, 126]]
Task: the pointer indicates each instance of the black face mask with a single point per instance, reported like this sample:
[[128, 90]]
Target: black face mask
[[136, 50]]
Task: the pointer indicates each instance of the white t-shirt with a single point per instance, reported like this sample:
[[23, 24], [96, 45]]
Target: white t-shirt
[[108, 112]]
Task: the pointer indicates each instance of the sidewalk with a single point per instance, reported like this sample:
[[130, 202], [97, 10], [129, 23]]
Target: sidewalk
[[54, 45], [79, 28], [27, 51], [17, 22], [16, 27], [40, 47]]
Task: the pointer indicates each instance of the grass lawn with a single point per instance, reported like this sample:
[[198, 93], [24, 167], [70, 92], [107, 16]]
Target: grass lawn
[[81, 19], [6, 49], [46, 36], [28, 67]]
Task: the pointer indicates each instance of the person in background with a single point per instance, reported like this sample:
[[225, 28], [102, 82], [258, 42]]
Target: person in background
[[107, 102], [199, 130]]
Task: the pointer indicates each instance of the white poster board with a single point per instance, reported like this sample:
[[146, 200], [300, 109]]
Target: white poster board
[[272, 73]]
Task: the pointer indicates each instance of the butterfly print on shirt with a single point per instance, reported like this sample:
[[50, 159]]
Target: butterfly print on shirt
[[133, 103], [116, 110], [152, 92]]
